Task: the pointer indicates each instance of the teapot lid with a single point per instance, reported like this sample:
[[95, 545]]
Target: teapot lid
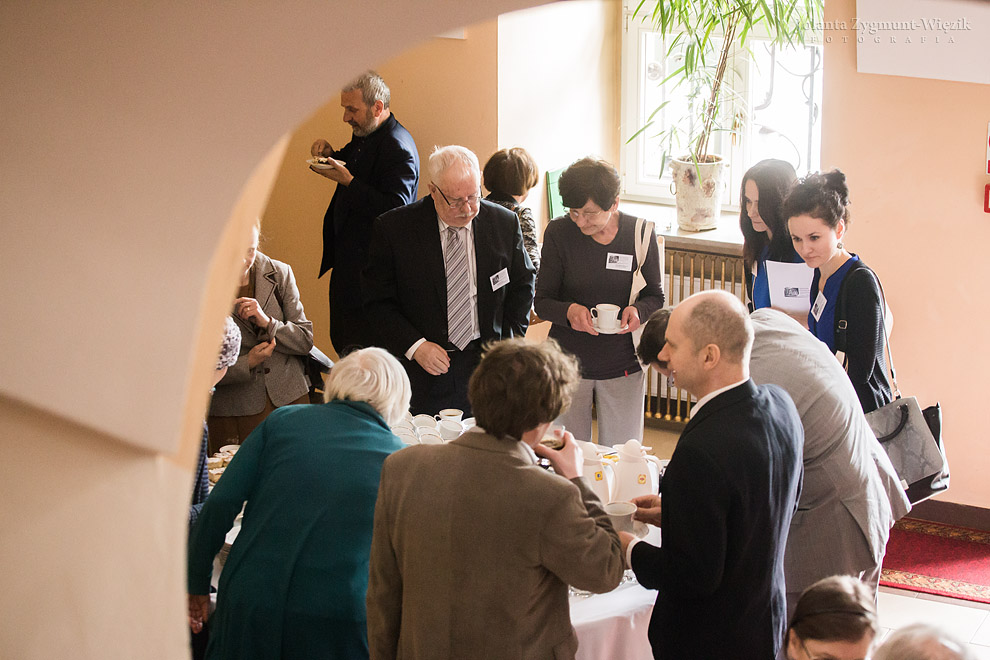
[[631, 448]]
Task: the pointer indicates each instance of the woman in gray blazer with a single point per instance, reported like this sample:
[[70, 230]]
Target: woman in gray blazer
[[276, 336]]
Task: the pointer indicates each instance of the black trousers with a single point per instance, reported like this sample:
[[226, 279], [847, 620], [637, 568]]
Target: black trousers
[[431, 394]]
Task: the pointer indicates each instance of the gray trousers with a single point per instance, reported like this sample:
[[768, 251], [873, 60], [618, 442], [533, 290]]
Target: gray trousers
[[619, 402]]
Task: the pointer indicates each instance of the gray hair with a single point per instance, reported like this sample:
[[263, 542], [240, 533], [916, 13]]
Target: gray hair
[[371, 375], [445, 158], [921, 641], [373, 88], [720, 318]]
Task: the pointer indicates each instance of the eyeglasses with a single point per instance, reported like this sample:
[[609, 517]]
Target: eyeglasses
[[587, 215], [456, 202]]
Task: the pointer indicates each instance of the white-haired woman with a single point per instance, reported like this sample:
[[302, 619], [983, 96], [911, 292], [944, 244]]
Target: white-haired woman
[[294, 583]]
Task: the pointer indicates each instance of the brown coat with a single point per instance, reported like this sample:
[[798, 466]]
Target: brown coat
[[473, 549]]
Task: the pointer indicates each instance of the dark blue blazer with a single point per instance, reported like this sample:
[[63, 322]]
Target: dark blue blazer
[[385, 166], [405, 283], [728, 495]]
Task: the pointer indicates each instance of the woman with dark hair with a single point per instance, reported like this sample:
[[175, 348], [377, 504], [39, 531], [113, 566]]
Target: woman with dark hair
[[589, 259], [847, 307], [509, 175], [835, 618], [764, 227]]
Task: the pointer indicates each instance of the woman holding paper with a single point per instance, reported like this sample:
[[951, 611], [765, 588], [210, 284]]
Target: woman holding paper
[[591, 258], [847, 306], [763, 225]]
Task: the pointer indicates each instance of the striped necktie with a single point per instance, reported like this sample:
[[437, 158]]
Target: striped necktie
[[458, 290]]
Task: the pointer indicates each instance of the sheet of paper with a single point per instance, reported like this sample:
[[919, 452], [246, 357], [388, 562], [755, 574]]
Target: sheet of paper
[[790, 285]]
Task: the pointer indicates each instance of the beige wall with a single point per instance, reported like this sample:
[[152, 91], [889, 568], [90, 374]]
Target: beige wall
[[558, 77], [914, 152], [128, 135], [443, 92]]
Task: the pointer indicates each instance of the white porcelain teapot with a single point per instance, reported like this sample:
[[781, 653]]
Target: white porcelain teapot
[[598, 473], [636, 472]]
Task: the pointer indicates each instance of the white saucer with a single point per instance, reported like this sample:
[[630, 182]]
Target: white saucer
[[612, 331]]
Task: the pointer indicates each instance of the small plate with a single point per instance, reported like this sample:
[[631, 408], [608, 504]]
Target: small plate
[[323, 166], [613, 331]]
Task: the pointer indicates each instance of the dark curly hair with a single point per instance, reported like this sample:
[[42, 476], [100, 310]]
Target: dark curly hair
[[823, 196], [774, 179]]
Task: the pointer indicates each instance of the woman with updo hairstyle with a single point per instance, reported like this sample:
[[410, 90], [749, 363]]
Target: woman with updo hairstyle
[[843, 288], [835, 618], [763, 225], [509, 175]]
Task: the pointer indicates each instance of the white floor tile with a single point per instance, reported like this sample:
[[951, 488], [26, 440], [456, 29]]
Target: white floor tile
[[897, 611], [982, 635], [980, 652], [954, 601], [899, 592]]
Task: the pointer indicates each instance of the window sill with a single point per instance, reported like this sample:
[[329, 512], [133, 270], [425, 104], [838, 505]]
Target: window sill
[[726, 238]]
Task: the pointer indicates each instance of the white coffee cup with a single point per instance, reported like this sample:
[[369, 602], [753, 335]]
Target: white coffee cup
[[430, 437], [424, 422], [407, 437], [606, 315], [621, 515], [450, 429], [450, 414]]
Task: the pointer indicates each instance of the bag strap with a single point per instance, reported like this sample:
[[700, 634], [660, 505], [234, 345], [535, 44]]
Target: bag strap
[[842, 323], [642, 234]]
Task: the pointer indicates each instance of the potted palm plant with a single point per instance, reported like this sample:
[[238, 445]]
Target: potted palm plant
[[705, 33]]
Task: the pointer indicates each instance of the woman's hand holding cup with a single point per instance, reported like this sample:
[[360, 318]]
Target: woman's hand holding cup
[[580, 319]]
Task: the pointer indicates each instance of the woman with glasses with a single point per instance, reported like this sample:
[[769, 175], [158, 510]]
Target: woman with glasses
[[589, 258], [836, 618]]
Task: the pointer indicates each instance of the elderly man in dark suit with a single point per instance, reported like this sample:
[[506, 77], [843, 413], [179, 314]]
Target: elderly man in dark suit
[[445, 275], [729, 492], [376, 171]]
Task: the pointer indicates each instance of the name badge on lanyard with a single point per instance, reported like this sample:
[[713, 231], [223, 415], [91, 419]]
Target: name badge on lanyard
[[819, 306], [616, 261]]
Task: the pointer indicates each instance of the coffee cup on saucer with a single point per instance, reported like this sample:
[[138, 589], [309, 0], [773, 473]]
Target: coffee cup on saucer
[[450, 414], [606, 316], [621, 515], [424, 422], [450, 429]]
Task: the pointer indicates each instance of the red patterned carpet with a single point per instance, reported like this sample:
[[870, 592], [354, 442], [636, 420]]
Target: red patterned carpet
[[938, 559]]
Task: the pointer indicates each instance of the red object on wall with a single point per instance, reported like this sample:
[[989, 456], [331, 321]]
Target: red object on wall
[[986, 199]]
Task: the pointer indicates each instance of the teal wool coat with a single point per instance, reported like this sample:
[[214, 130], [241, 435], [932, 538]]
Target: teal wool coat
[[294, 583]]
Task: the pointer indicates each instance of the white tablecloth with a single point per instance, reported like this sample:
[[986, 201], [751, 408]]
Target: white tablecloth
[[609, 626], [613, 626]]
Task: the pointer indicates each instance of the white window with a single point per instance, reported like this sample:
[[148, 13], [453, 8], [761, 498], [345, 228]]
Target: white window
[[773, 100]]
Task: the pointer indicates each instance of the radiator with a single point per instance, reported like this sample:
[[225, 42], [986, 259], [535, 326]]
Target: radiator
[[687, 272]]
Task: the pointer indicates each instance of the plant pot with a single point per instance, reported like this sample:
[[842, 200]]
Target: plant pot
[[698, 190]]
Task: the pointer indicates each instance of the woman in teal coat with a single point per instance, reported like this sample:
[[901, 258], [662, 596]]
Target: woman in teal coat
[[294, 583]]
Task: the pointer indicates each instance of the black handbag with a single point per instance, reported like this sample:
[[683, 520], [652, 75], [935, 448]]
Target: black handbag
[[912, 437]]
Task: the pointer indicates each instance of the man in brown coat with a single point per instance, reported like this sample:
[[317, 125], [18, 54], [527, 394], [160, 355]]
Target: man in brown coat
[[474, 544]]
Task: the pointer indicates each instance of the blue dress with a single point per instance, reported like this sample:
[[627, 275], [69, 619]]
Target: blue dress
[[824, 327], [760, 293], [295, 582]]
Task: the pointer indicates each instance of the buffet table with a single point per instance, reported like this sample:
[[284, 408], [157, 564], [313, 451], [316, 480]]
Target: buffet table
[[609, 626]]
